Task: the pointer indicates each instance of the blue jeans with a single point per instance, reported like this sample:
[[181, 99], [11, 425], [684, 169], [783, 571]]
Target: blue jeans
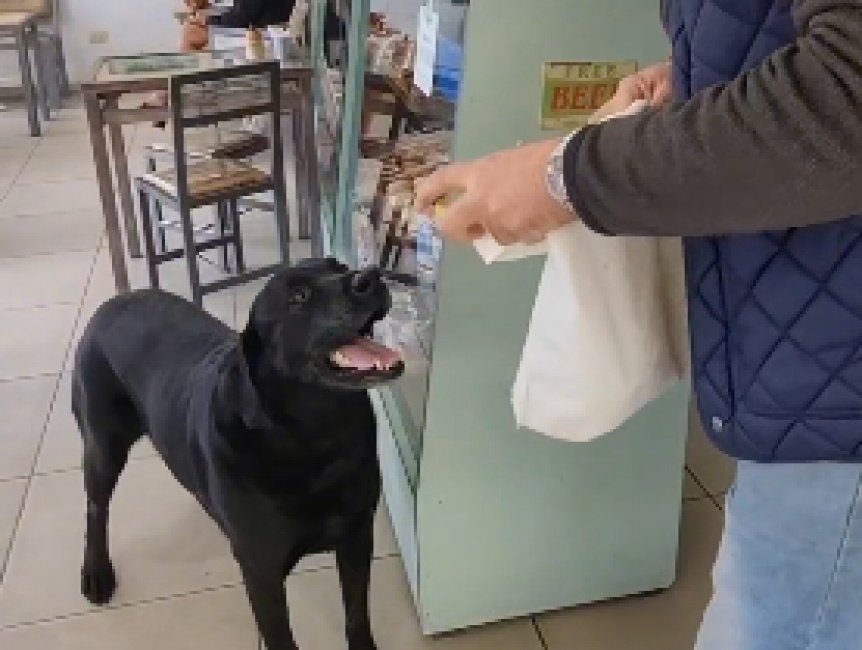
[[789, 571]]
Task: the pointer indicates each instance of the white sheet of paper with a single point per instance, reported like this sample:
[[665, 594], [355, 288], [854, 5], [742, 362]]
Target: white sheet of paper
[[426, 48]]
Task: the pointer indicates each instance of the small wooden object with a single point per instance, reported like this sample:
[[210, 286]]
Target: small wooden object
[[254, 47]]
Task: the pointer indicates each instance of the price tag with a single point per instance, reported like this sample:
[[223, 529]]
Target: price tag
[[426, 48]]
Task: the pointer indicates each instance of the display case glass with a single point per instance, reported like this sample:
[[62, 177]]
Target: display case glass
[[379, 134]]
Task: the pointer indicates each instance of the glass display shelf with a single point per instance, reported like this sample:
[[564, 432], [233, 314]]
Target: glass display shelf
[[377, 135]]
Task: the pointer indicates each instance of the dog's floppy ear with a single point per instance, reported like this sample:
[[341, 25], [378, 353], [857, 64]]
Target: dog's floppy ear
[[237, 395]]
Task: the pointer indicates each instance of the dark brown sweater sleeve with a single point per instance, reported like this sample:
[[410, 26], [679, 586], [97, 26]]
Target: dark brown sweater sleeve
[[779, 147]]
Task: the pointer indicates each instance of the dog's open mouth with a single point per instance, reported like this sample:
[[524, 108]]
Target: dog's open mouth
[[365, 355], [363, 358]]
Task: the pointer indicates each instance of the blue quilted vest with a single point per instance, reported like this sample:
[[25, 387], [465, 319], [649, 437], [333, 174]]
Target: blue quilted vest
[[776, 317]]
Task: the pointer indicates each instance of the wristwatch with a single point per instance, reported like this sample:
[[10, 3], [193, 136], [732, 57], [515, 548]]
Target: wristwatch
[[554, 177]]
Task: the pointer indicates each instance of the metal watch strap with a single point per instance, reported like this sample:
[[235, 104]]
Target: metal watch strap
[[554, 177]]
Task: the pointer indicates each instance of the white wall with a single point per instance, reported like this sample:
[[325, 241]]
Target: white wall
[[402, 14], [133, 26], [146, 25]]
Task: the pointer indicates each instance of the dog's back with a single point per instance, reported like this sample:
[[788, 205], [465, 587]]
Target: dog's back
[[144, 364], [143, 333]]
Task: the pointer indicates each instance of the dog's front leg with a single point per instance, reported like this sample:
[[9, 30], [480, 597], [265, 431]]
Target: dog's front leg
[[353, 557], [265, 591]]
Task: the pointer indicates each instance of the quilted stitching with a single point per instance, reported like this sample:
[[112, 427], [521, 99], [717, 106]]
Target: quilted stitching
[[776, 318]]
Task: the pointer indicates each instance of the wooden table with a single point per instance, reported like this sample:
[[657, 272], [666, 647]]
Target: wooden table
[[102, 101]]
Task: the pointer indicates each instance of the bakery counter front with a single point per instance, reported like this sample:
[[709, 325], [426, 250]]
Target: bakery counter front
[[493, 522]]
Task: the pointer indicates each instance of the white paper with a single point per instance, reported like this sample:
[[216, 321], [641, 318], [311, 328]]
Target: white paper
[[426, 48], [490, 251]]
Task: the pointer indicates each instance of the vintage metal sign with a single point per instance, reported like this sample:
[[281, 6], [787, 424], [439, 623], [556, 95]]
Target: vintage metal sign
[[572, 91]]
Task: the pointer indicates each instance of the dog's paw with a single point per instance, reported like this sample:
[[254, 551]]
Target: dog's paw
[[98, 582]]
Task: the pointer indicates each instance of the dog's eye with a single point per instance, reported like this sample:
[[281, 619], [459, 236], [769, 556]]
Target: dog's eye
[[299, 296]]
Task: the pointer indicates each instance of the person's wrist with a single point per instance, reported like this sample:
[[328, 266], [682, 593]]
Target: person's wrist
[[555, 179]]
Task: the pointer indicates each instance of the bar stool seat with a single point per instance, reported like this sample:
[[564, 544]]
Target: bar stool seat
[[15, 19], [212, 181]]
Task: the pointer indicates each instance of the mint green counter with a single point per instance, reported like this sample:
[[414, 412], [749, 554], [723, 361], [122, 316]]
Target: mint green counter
[[495, 522]]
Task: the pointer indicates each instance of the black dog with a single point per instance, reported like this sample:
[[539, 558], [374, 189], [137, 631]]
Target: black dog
[[270, 429]]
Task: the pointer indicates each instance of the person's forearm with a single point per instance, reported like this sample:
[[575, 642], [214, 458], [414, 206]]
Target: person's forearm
[[779, 147]]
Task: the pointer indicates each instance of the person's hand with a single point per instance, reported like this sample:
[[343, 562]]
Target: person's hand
[[504, 195], [652, 85], [195, 33]]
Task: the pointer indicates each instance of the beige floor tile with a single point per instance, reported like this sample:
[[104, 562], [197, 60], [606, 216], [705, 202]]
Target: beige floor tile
[[73, 139], [5, 186], [24, 404], [218, 620], [11, 498], [34, 341], [50, 233], [61, 445], [162, 545], [665, 621], [68, 136], [69, 123], [12, 161], [39, 280], [13, 126], [70, 120], [714, 470], [318, 618], [13, 121], [65, 196], [52, 165]]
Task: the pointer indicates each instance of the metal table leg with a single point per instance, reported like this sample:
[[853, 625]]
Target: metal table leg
[[124, 183], [301, 173], [308, 152], [21, 43], [42, 80], [101, 160]]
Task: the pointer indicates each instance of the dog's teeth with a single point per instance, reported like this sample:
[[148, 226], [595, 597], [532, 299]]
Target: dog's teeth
[[338, 359]]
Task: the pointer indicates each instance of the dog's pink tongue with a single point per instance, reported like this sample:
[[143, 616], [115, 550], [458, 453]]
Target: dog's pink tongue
[[365, 354]]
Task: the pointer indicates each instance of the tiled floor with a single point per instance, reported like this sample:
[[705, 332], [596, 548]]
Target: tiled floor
[[179, 588]]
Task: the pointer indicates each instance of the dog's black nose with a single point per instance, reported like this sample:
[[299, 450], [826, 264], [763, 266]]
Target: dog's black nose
[[365, 282]]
